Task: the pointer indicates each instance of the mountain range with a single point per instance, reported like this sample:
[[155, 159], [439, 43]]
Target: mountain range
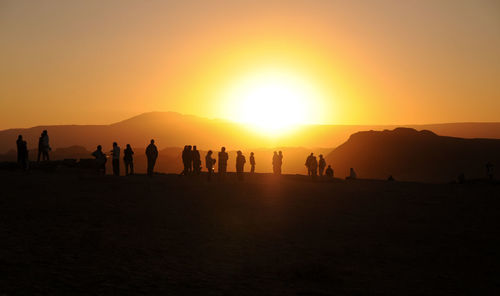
[[171, 129]]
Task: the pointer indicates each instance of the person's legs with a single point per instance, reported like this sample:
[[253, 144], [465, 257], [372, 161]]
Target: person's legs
[[131, 164], [39, 154], [126, 167]]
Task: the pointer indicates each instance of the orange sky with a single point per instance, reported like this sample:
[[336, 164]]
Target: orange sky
[[372, 62]]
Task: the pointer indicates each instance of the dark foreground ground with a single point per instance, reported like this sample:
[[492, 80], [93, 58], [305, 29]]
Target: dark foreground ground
[[89, 235]]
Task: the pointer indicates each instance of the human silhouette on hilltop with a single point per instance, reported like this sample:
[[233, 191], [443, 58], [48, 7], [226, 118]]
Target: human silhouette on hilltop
[[187, 160], [275, 162], [209, 163], [280, 162], [115, 153], [128, 160], [252, 163], [314, 167], [152, 155], [329, 171], [22, 153], [321, 164], [223, 157], [240, 164], [196, 161], [100, 159], [43, 146], [308, 164]]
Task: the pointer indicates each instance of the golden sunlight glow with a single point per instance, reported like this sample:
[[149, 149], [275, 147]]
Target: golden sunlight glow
[[273, 101]]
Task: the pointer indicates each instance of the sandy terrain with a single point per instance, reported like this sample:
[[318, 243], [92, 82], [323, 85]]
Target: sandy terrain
[[88, 235]]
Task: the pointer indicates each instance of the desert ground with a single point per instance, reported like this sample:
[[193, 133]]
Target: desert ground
[[66, 233]]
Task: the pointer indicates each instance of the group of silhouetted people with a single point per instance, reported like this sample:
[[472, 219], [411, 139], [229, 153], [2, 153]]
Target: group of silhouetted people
[[128, 159], [315, 166], [191, 160]]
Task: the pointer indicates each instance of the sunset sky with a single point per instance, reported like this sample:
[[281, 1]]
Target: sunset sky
[[328, 62]]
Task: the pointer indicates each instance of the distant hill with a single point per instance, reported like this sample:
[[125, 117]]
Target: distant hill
[[408, 154]]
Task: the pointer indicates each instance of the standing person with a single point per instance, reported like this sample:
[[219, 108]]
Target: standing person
[[43, 146], [196, 161], [152, 155], [321, 165], [116, 159], [223, 157], [187, 160], [20, 151], [209, 163], [100, 159], [252, 163], [314, 167], [308, 164], [275, 162], [240, 164], [280, 162], [128, 160]]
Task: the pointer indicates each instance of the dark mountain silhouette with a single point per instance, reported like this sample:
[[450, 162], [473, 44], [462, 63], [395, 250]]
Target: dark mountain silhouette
[[408, 154], [172, 129]]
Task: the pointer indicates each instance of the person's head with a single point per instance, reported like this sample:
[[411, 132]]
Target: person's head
[[114, 144], [189, 147], [312, 154], [251, 153], [209, 152], [152, 141], [128, 146], [280, 153], [351, 169], [275, 152], [44, 132], [99, 147], [239, 152], [194, 147], [329, 166], [321, 156], [20, 137], [223, 149]]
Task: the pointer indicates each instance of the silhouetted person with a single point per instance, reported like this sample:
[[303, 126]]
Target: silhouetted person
[[489, 170], [152, 155], [20, 151], [252, 163], [321, 164], [209, 163], [352, 175], [196, 161], [115, 153], [100, 159], [275, 162], [187, 160], [329, 171], [240, 164], [223, 156], [308, 164], [128, 160], [43, 146], [314, 167], [280, 163]]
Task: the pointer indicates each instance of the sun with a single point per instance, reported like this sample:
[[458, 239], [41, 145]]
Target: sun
[[273, 101]]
